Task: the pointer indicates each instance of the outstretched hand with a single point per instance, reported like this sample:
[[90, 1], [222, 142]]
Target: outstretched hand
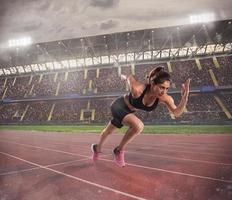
[[185, 88], [123, 77]]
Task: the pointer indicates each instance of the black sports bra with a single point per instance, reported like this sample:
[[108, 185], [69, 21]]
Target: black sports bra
[[138, 102]]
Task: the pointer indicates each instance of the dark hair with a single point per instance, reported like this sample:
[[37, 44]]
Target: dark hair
[[158, 75]]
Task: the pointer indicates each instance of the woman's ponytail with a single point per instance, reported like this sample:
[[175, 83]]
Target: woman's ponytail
[[153, 73]]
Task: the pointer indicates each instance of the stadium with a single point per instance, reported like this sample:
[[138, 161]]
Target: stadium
[[67, 88], [68, 85]]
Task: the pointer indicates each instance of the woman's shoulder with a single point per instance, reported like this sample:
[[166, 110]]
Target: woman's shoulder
[[164, 98], [141, 87], [138, 89]]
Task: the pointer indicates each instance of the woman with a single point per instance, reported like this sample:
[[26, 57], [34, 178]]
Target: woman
[[144, 97]]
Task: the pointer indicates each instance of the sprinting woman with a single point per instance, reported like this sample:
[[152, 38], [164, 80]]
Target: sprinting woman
[[141, 97]]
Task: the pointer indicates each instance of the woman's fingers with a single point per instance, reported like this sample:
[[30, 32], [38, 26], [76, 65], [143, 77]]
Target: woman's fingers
[[182, 89], [187, 82], [123, 77], [186, 86]]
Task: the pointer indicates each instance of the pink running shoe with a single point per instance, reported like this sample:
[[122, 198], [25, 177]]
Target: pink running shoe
[[95, 155], [119, 157]]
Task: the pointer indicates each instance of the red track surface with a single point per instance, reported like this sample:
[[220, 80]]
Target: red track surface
[[35, 165]]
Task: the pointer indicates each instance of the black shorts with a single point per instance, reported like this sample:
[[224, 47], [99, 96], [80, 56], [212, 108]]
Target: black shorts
[[119, 110]]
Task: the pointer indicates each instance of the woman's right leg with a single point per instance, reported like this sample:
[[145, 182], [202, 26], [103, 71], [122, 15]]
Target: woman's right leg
[[135, 127], [108, 130]]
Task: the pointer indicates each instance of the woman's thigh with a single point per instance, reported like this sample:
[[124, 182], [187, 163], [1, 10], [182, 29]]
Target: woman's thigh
[[132, 120]]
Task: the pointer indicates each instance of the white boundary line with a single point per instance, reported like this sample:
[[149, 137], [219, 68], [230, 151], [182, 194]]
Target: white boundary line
[[139, 166], [78, 179]]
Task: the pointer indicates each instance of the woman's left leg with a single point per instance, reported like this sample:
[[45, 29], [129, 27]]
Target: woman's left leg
[[110, 129]]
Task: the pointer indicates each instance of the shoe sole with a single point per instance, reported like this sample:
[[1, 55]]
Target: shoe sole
[[92, 149], [116, 161]]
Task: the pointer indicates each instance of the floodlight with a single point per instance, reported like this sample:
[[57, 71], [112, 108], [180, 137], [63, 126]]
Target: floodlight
[[202, 18], [20, 42], [105, 59], [89, 61], [73, 63], [64, 64]]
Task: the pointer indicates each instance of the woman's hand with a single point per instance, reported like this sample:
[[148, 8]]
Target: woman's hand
[[185, 88], [178, 110], [123, 77]]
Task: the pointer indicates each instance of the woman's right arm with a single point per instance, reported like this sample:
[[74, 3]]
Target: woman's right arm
[[135, 86]]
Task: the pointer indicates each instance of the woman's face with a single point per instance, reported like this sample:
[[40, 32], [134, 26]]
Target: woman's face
[[161, 88]]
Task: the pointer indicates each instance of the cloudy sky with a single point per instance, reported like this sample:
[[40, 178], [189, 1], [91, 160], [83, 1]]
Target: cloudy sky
[[49, 20]]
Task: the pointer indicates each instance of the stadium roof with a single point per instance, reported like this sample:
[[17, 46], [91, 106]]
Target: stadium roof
[[56, 39]]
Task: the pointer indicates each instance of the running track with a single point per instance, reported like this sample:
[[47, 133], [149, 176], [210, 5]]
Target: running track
[[56, 166]]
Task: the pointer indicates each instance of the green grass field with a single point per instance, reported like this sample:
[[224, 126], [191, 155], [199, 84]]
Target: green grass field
[[150, 129]]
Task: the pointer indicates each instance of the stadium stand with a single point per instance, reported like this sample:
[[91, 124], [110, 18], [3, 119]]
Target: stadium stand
[[201, 107]]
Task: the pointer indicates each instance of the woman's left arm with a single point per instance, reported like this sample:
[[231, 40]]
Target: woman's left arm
[[178, 110]]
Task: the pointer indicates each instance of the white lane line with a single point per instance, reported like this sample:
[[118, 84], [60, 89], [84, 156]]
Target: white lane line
[[140, 166], [33, 168], [18, 171], [180, 173], [54, 150], [214, 145], [183, 159], [150, 155], [78, 179], [200, 148], [47, 149], [190, 152], [65, 163]]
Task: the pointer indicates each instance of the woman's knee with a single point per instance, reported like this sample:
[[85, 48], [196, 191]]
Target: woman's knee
[[139, 127]]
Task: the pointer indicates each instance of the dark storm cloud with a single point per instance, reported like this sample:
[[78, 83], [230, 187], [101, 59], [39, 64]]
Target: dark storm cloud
[[60, 29], [4, 6], [109, 24], [104, 3], [33, 26], [89, 27], [45, 6], [157, 14], [56, 19]]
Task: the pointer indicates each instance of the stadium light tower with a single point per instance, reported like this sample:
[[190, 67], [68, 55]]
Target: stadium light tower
[[19, 42]]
